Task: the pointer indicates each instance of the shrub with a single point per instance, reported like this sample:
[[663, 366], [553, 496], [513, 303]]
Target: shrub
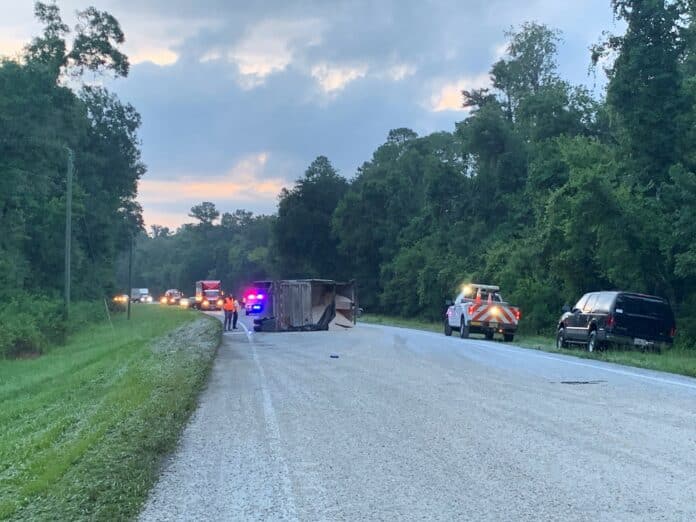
[[31, 324]]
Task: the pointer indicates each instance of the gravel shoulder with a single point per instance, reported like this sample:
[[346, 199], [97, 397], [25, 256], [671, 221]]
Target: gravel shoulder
[[412, 425]]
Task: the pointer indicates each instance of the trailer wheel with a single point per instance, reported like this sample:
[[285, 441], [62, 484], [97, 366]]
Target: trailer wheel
[[463, 329], [489, 335], [448, 328], [508, 337]]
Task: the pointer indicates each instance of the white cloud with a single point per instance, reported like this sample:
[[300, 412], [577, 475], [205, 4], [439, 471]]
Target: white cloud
[[448, 95], [270, 47], [500, 50], [333, 78], [158, 56], [400, 71], [212, 55]]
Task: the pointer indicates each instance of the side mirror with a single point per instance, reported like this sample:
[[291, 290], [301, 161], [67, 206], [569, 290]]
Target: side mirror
[[448, 302], [565, 309]]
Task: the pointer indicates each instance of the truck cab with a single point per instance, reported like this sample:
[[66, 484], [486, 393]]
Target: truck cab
[[209, 295]]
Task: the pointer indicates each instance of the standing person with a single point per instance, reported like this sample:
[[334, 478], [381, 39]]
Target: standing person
[[235, 312], [228, 307]]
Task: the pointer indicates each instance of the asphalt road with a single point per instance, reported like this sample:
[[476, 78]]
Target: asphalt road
[[409, 425]]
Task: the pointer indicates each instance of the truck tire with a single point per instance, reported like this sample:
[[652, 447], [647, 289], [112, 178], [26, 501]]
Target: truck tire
[[489, 335], [592, 343], [463, 329], [561, 341], [448, 328], [508, 337]]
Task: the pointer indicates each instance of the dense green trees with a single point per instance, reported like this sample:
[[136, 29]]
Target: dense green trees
[[543, 188], [233, 248], [39, 119]]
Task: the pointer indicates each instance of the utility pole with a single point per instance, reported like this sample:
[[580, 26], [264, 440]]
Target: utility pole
[[68, 231], [130, 276]]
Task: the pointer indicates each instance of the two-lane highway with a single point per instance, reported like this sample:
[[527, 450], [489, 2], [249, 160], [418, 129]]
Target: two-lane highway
[[409, 425]]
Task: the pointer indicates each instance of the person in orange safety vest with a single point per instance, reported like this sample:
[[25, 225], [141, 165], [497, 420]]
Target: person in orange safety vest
[[229, 308]]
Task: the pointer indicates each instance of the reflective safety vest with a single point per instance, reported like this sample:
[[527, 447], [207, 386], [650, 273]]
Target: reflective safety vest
[[228, 305]]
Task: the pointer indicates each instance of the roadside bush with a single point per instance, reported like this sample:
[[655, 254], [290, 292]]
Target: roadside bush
[[31, 324], [21, 331]]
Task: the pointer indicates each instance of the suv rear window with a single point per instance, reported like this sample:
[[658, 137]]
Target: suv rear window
[[647, 306]]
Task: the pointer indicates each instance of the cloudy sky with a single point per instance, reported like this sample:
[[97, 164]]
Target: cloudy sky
[[238, 97]]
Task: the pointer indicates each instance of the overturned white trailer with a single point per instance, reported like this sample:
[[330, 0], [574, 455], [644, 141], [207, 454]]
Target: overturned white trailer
[[306, 304]]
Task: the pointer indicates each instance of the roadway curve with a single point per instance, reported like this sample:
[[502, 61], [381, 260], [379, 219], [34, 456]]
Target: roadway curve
[[409, 425]]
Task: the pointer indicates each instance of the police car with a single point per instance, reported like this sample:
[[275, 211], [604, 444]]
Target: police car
[[254, 302]]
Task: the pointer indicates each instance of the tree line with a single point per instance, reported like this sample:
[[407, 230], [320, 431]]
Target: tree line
[[544, 188], [47, 108]]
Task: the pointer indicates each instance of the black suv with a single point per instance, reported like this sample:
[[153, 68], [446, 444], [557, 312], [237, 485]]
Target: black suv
[[599, 318]]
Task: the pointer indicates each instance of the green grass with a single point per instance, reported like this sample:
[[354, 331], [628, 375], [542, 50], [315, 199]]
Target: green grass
[[83, 429], [674, 360]]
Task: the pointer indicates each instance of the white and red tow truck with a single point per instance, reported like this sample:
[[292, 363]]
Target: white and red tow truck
[[481, 309]]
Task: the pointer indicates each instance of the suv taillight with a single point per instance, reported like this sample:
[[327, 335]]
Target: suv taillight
[[673, 332], [471, 310], [518, 314], [610, 321]]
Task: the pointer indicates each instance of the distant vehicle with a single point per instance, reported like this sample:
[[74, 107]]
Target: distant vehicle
[[209, 295], [254, 301], [626, 318], [481, 309], [121, 298], [186, 302], [140, 295], [172, 297]]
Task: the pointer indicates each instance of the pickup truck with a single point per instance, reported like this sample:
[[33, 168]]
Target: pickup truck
[[481, 309]]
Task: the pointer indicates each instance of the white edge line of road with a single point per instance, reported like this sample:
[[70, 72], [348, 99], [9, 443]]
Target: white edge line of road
[[675, 380], [273, 432]]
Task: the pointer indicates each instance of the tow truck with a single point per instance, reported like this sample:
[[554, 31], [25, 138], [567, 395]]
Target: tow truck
[[481, 309]]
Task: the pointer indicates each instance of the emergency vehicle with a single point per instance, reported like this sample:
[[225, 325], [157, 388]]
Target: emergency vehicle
[[481, 309], [254, 301]]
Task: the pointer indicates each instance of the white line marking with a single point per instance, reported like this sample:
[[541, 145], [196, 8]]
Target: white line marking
[[274, 440], [599, 365]]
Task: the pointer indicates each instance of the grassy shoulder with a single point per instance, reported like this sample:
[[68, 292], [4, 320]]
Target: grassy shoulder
[[675, 360], [83, 429]]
